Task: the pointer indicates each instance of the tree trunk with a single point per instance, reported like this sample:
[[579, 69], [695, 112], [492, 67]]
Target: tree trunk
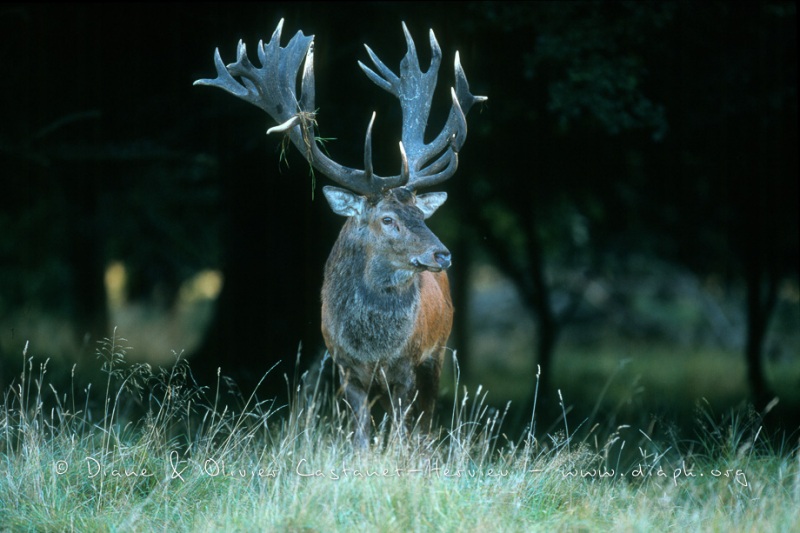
[[531, 282], [546, 320], [761, 298], [260, 315], [87, 291]]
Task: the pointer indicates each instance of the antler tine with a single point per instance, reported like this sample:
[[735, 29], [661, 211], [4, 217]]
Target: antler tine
[[448, 143], [387, 80], [463, 101], [368, 148], [405, 173]]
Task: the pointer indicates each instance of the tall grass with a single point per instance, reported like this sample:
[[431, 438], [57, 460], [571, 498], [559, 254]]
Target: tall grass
[[152, 450]]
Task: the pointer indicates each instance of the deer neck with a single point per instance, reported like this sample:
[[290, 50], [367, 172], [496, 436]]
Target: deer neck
[[371, 308], [369, 271], [364, 279]]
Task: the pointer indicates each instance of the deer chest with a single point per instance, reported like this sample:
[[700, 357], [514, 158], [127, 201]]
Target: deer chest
[[372, 327]]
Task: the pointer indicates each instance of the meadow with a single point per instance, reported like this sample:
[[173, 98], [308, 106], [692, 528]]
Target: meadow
[[151, 450]]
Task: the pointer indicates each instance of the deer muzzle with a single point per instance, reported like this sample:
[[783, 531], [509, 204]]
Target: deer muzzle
[[434, 260]]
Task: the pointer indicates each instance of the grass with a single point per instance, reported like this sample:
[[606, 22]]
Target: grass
[[639, 382], [151, 450]]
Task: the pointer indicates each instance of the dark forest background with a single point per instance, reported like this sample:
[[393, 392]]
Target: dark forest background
[[632, 179]]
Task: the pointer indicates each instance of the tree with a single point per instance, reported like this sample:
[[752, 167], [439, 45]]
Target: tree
[[666, 129], [575, 90], [733, 151]]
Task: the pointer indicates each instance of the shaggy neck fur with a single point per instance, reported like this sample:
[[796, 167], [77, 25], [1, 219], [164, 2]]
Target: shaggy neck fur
[[372, 305]]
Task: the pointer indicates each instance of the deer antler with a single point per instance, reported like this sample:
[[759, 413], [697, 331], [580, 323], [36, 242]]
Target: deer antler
[[272, 88], [415, 89]]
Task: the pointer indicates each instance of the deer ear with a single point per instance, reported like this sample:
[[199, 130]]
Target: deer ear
[[430, 202], [344, 202]]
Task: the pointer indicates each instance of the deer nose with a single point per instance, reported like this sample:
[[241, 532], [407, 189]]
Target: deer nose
[[433, 260], [442, 258]]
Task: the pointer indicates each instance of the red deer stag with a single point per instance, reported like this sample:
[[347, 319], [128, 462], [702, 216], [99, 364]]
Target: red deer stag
[[386, 308]]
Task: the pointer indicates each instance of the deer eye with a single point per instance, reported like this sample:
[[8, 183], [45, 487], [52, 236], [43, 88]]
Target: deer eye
[[387, 221]]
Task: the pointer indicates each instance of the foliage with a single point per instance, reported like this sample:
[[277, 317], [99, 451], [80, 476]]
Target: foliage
[[641, 134]]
